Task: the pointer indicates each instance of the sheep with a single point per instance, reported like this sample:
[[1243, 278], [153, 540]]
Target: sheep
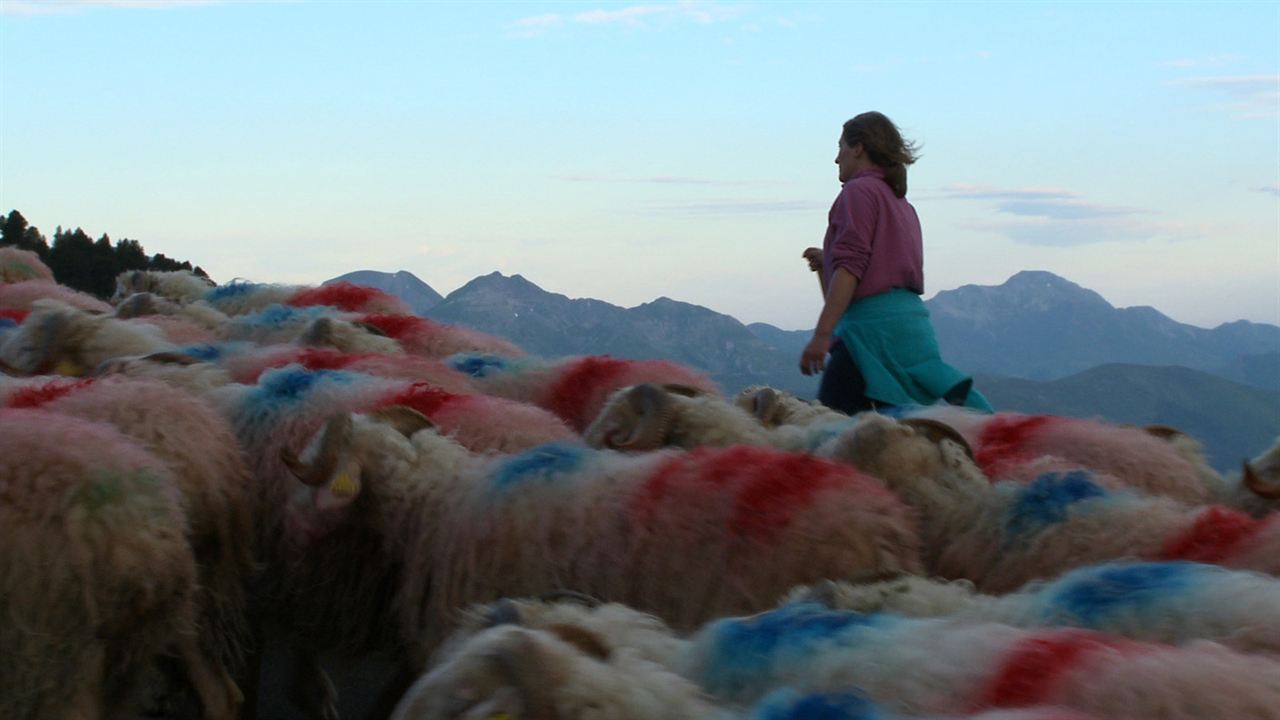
[[773, 407], [640, 529], [435, 340], [247, 366], [240, 297], [18, 265], [926, 666], [24, 295], [1013, 446], [482, 423], [1256, 490], [574, 388], [196, 444], [181, 286], [150, 305], [172, 368], [510, 671], [647, 417], [313, 325], [1168, 602], [1004, 535], [97, 577], [57, 337], [350, 298]]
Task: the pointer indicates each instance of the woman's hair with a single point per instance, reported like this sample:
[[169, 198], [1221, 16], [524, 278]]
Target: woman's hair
[[884, 145]]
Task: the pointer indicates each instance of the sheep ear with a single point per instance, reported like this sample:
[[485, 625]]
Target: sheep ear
[[171, 358], [1263, 489], [581, 638], [370, 328], [403, 418], [319, 333], [763, 404], [683, 390], [937, 431]]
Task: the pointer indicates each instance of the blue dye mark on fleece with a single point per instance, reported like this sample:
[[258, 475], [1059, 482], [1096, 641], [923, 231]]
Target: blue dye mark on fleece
[[8, 323], [1047, 500], [788, 704], [541, 462], [1088, 596], [292, 382], [278, 315], [478, 365], [234, 289], [742, 652]]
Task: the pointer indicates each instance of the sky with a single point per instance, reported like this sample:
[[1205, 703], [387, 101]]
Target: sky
[[630, 151]]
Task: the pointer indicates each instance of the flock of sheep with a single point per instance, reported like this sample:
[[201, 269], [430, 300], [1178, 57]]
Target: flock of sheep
[[189, 468]]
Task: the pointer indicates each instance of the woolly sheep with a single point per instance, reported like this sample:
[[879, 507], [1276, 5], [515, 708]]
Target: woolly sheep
[[927, 666], [1168, 602], [197, 446], [641, 529], [240, 297], [24, 295], [150, 305], [172, 368], [431, 339], [1256, 490], [350, 298], [17, 265], [647, 417], [182, 286], [574, 388], [70, 341], [1013, 446], [313, 325], [97, 578], [1004, 535], [248, 366]]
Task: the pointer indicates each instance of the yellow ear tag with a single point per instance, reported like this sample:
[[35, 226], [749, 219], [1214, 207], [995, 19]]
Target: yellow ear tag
[[343, 486], [68, 368]]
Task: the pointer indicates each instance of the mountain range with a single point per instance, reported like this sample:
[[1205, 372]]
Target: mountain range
[[1037, 343]]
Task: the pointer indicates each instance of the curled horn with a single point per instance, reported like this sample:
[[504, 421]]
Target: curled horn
[[938, 431], [571, 596], [319, 333], [370, 328], [335, 436], [403, 418], [652, 407], [763, 404], [1164, 432], [8, 369], [137, 305], [1263, 489]]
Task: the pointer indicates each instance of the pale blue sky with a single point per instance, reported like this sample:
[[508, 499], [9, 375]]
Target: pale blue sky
[[627, 151]]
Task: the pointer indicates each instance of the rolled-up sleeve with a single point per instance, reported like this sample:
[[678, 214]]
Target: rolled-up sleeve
[[850, 231]]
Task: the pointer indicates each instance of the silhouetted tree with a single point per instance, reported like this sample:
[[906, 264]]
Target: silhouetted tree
[[71, 259], [131, 256], [16, 231]]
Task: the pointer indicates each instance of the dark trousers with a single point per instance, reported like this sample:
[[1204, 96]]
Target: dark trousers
[[842, 386]]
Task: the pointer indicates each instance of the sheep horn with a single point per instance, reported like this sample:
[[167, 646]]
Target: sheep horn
[[652, 407], [335, 436], [403, 418], [171, 358], [370, 328], [938, 431], [137, 305], [1164, 432], [1260, 487], [763, 404], [319, 333], [581, 638], [684, 390]]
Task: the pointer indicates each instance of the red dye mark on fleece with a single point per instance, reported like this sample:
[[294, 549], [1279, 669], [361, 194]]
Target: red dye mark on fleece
[[342, 295], [423, 397], [399, 327], [18, 316], [1005, 441], [767, 487], [34, 397], [1213, 537], [1035, 667], [581, 383]]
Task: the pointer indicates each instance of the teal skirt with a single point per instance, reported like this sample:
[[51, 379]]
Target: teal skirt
[[891, 340]]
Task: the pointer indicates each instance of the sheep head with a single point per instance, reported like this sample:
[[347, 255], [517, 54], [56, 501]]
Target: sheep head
[[1265, 488], [911, 456], [764, 403], [44, 343], [637, 418], [137, 305], [129, 283]]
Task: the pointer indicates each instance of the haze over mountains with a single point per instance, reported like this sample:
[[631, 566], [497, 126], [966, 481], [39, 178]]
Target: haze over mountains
[[1037, 343]]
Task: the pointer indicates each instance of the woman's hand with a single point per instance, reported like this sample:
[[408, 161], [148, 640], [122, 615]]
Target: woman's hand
[[814, 357], [814, 256]]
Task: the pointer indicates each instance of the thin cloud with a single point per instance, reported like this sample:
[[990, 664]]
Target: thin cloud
[[737, 207], [1249, 97], [1056, 232], [66, 7], [1056, 217], [697, 11], [1269, 189], [659, 180], [988, 192]]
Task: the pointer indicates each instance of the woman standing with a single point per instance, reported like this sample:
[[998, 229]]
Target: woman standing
[[871, 270]]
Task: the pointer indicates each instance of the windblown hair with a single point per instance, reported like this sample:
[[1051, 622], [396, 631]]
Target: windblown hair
[[885, 146]]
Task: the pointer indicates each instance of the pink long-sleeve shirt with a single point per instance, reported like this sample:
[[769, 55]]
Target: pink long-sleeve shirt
[[875, 235]]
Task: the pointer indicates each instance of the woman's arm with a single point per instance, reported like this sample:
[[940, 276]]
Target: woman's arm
[[838, 297]]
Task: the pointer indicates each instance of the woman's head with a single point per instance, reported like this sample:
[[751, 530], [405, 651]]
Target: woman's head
[[884, 145]]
